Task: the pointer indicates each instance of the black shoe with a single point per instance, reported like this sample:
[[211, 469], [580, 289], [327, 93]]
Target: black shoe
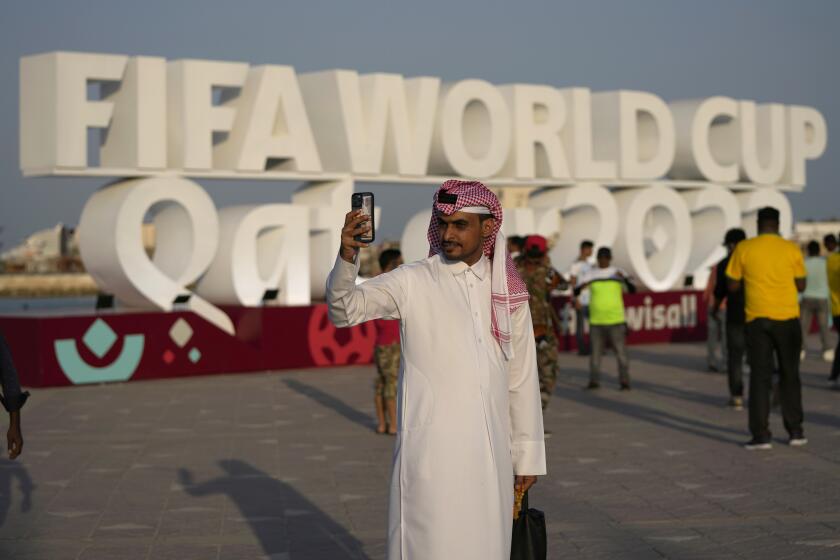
[[583, 353], [592, 386], [758, 444], [625, 387]]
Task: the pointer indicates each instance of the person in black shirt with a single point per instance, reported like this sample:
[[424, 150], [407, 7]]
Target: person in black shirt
[[12, 398], [735, 321]]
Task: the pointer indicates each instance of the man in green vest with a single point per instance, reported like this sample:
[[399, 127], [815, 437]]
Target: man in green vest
[[606, 285]]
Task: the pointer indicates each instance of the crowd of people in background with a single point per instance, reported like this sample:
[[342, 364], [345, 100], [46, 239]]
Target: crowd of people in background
[[597, 290], [591, 283], [772, 297], [771, 272], [762, 298]]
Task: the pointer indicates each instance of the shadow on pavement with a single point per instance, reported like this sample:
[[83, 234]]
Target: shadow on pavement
[[700, 397], [664, 419], [811, 416], [9, 472], [657, 417], [687, 362], [331, 402], [282, 519]]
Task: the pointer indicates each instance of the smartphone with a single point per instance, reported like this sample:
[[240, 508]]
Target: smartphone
[[364, 201]]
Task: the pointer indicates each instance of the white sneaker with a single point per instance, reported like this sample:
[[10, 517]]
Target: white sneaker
[[828, 355], [758, 444], [798, 440]]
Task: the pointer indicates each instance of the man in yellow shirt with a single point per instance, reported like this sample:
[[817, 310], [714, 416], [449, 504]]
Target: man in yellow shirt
[[772, 272], [832, 267]]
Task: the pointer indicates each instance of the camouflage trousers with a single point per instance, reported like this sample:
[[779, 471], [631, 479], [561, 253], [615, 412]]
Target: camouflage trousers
[[387, 360], [547, 366]]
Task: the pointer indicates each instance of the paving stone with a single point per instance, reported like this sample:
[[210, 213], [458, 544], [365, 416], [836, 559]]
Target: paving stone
[[184, 552], [286, 466]]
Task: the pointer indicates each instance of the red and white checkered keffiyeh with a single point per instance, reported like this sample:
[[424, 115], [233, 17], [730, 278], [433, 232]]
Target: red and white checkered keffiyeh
[[508, 290]]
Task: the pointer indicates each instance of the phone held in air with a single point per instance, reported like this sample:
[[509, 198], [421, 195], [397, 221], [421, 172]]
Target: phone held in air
[[364, 201]]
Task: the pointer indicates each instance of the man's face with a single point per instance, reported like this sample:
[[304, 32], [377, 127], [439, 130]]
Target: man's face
[[586, 252], [604, 262], [462, 235], [830, 246]]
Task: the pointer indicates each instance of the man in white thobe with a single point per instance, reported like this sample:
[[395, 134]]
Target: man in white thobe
[[469, 413]]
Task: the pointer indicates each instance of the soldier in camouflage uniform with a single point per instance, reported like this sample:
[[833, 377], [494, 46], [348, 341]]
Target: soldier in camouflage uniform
[[387, 358], [535, 268]]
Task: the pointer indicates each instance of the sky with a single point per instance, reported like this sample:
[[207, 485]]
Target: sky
[[765, 50]]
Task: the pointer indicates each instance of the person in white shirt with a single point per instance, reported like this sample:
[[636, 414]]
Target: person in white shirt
[[581, 302], [469, 414], [515, 246], [815, 302]]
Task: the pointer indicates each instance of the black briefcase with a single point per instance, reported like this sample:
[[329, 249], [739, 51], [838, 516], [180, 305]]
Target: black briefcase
[[529, 537]]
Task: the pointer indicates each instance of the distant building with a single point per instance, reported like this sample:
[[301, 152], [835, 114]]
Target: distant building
[[45, 251], [56, 250], [36, 251]]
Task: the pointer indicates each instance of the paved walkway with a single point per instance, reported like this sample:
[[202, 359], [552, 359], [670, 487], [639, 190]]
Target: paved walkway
[[285, 466]]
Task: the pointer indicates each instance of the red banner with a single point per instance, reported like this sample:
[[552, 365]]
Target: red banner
[[651, 317], [73, 349]]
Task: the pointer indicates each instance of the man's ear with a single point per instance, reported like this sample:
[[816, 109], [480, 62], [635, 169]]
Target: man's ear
[[487, 226]]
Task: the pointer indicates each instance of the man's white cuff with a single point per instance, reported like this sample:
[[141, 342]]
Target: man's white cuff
[[528, 458]]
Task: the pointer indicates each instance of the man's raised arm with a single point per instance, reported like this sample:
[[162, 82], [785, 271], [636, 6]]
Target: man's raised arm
[[377, 298]]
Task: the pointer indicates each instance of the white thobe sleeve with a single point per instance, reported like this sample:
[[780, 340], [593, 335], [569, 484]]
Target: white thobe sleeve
[[526, 421], [350, 304]]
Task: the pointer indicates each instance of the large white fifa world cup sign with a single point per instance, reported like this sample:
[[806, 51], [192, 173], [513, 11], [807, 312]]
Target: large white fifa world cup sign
[[659, 182]]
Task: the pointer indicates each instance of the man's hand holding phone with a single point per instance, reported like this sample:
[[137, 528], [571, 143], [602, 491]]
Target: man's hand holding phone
[[356, 223]]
